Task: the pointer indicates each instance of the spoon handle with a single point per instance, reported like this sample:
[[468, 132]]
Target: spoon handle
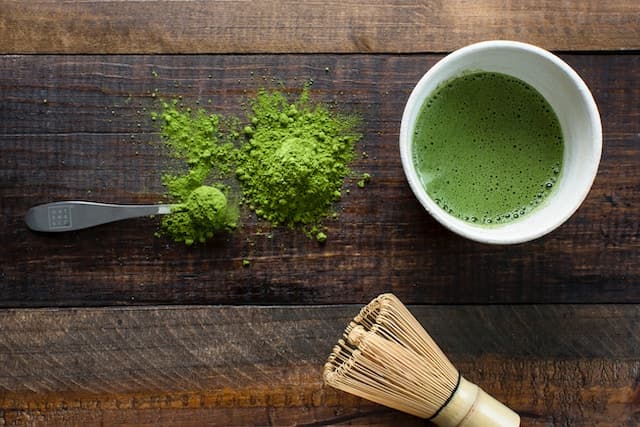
[[76, 215]]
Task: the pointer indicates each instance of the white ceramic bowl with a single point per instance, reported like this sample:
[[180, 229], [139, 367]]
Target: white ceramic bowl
[[579, 119]]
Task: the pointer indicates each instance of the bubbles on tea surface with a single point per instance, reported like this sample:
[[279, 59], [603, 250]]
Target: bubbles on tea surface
[[478, 162]]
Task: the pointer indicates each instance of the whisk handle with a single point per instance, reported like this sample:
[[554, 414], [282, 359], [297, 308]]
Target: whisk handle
[[470, 406]]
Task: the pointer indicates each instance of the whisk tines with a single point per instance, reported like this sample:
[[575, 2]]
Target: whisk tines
[[387, 357]]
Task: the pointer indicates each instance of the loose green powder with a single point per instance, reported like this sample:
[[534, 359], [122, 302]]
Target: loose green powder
[[364, 180], [196, 138], [293, 166], [201, 210]]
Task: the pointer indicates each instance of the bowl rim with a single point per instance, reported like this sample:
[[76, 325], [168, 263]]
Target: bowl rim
[[488, 234]]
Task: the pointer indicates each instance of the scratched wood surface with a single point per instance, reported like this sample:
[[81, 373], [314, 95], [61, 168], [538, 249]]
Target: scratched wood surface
[[76, 80], [78, 127], [312, 26], [262, 365]]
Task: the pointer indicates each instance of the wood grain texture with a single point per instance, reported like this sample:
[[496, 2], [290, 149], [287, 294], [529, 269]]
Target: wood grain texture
[[312, 26], [554, 364], [78, 127]]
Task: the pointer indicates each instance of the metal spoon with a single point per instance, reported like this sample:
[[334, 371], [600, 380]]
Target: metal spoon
[[76, 215]]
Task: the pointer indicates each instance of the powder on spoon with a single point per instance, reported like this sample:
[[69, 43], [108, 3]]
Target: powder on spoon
[[203, 213]]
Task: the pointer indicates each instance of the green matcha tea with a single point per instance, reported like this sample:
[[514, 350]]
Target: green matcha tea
[[487, 147]]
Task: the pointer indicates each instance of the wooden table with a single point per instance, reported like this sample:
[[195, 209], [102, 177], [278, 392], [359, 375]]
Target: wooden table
[[115, 326]]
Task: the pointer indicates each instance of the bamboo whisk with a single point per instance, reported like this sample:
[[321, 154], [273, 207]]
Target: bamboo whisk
[[387, 357]]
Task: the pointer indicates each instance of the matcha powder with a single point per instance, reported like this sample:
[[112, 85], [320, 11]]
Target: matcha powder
[[293, 166], [200, 210], [204, 212]]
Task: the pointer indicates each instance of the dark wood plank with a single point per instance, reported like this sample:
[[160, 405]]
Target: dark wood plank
[[554, 364], [327, 26], [205, 416], [69, 130]]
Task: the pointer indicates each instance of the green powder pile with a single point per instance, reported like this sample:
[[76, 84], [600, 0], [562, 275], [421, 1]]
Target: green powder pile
[[293, 166], [201, 210], [196, 138]]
